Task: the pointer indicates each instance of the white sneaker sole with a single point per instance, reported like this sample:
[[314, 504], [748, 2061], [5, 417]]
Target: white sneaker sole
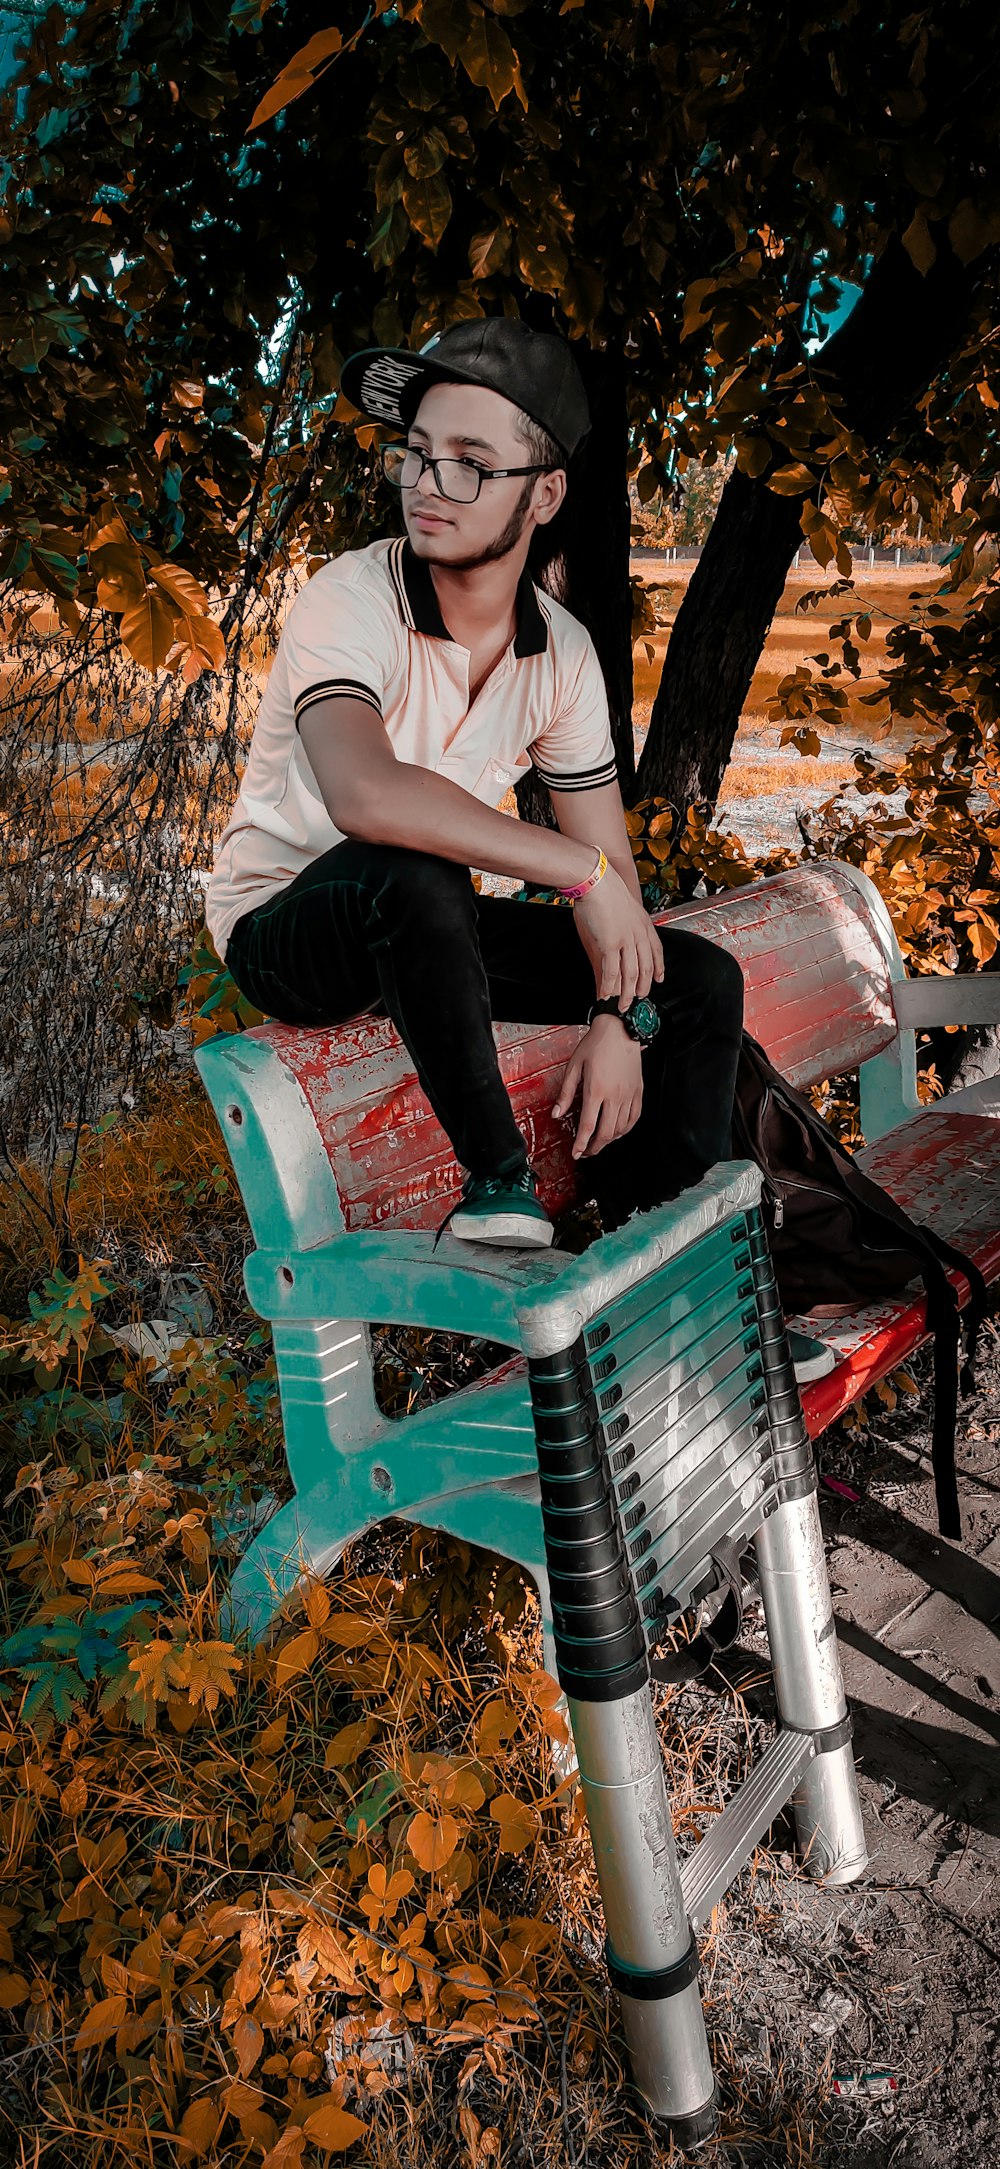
[[812, 1367], [510, 1231]]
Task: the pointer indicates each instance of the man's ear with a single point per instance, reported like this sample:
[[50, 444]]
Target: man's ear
[[550, 490]]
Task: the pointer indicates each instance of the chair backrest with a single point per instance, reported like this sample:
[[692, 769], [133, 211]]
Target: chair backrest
[[818, 955]]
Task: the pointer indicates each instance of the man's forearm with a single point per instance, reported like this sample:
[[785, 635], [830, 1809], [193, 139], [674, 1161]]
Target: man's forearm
[[624, 865], [419, 810]]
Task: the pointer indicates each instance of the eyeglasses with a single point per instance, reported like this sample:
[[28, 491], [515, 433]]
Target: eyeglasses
[[458, 479]]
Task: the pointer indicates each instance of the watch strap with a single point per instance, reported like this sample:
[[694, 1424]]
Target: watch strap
[[608, 1007]]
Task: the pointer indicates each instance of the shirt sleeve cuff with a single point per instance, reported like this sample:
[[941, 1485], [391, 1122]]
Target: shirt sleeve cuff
[[335, 689], [578, 779]]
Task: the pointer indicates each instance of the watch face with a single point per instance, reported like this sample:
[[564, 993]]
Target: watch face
[[645, 1019]]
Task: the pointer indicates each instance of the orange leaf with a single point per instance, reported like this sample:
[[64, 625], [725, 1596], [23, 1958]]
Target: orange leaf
[[14, 1989], [790, 481], [248, 2041], [497, 1724], [296, 1656], [474, 1981], [463, 1789], [348, 1631], [298, 73], [517, 1822], [114, 1976], [101, 2021], [272, 1737], [205, 1669], [182, 588], [317, 1604], [127, 1584], [204, 638], [120, 576], [347, 1743], [79, 1570], [73, 1798], [239, 2100], [321, 46], [199, 2125], [146, 630], [287, 2151], [432, 1840], [333, 2128], [290, 84]]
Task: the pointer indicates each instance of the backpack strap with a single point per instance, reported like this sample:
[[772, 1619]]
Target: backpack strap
[[694, 1658], [931, 1253], [980, 1304]]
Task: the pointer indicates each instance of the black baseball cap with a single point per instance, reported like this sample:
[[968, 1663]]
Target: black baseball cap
[[534, 369]]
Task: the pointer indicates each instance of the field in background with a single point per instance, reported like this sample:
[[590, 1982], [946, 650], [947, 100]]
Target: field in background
[[765, 784]]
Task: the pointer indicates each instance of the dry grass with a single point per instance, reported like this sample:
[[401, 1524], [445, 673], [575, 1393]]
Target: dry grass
[[794, 635], [765, 779], [213, 1896], [144, 1195]]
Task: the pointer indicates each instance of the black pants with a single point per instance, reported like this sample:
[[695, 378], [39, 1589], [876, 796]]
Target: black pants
[[369, 924]]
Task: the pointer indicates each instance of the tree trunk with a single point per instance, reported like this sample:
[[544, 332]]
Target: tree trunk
[[592, 574], [599, 545], [893, 344]]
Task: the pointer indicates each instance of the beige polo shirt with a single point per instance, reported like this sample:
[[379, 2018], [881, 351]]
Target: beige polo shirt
[[368, 624]]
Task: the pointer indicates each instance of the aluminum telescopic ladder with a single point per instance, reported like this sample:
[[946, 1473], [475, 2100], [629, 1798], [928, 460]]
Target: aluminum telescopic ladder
[[667, 1422]]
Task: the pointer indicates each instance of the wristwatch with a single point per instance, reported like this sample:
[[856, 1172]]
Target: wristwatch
[[641, 1019]]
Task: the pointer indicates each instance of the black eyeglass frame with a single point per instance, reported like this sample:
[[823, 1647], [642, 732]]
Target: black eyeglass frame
[[484, 474]]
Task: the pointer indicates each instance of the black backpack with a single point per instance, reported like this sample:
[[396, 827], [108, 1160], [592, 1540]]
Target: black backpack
[[838, 1237]]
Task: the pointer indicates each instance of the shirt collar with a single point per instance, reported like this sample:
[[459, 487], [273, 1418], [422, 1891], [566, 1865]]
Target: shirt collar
[[421, 609]]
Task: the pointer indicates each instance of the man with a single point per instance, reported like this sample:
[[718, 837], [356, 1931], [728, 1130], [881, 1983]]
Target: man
[[414, 680]]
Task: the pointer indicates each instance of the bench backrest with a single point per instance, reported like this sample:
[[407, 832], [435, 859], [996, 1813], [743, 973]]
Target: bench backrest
[[330, 1129]]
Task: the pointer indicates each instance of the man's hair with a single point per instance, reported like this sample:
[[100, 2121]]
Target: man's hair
[[544, 450], [548, 544]]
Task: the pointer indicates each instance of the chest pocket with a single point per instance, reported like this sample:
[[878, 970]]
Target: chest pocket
[[497, 776]]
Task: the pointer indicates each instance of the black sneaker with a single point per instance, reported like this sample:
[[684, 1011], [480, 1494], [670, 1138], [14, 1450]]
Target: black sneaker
[[502, 1209]]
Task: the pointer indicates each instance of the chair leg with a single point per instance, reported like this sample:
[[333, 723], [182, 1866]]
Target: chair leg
[[798, 1608], [277, 1560]]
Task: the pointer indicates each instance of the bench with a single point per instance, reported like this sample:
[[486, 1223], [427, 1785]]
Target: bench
[[345, 1173], [330, 1136]]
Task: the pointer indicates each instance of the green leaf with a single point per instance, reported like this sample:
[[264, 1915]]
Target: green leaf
[[375, 1802]]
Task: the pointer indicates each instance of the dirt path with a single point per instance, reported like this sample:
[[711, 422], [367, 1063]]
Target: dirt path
[[903, 1971]]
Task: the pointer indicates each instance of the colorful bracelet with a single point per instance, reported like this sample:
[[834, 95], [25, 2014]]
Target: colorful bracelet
[[584, 887]]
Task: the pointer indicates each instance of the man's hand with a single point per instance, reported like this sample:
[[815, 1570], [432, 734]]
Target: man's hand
[[620, 940], [607, 1071]]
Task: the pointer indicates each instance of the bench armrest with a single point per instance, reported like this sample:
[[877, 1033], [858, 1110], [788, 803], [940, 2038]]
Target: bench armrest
[[505, 1295], [948, 998], [398, 1276]]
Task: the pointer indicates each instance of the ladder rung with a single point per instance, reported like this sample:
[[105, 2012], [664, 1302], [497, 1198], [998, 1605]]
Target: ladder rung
[[708, 1872]]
